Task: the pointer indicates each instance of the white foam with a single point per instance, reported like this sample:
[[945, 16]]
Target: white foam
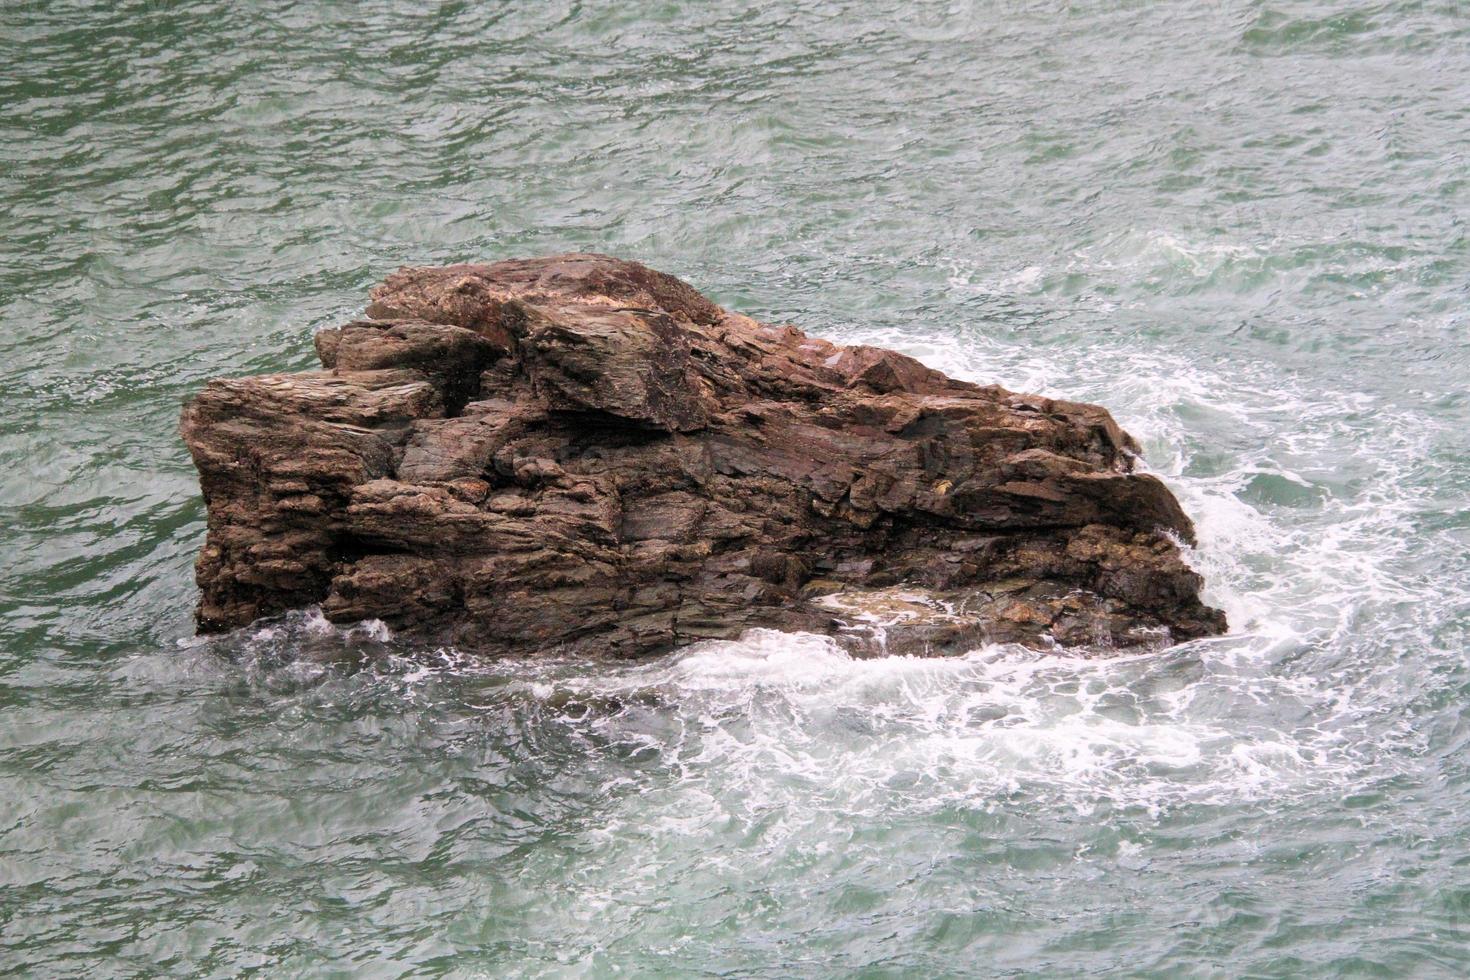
[[729, 730], [775, 717]]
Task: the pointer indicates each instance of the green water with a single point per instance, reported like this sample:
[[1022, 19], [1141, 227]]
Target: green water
[[1241, 225]]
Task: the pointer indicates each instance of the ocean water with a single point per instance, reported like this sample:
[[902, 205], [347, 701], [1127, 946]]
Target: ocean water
[[1241, 225]]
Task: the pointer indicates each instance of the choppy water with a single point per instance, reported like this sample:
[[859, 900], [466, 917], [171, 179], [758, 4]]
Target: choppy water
[[1241, 225]]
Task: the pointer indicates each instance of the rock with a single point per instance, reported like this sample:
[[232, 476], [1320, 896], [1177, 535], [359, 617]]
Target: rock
[[578, 453]]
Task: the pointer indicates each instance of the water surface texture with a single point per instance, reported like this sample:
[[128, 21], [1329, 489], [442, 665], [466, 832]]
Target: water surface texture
[[1240, 225]]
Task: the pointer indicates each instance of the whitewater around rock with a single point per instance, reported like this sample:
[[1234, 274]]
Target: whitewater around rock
[[578, 453]]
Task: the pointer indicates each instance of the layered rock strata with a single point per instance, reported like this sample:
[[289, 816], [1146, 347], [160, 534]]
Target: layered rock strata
[[580, 454]]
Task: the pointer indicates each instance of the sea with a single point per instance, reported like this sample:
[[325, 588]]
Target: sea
[[1241, 225]]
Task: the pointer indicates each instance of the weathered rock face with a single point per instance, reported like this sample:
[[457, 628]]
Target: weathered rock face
[[580, 453]]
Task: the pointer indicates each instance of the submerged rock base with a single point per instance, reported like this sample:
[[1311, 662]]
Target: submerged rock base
[[578, 453]]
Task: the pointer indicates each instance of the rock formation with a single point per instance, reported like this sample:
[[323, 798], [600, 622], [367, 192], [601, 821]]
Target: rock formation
[[581, 454]]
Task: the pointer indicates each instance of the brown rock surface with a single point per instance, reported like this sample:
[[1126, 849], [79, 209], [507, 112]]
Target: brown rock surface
[[580, 453]]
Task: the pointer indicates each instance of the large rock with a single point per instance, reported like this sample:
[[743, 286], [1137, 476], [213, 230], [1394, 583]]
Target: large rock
[[579, 453]]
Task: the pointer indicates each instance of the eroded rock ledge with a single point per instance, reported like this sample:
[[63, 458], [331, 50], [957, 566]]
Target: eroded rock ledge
[[579, 453]]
